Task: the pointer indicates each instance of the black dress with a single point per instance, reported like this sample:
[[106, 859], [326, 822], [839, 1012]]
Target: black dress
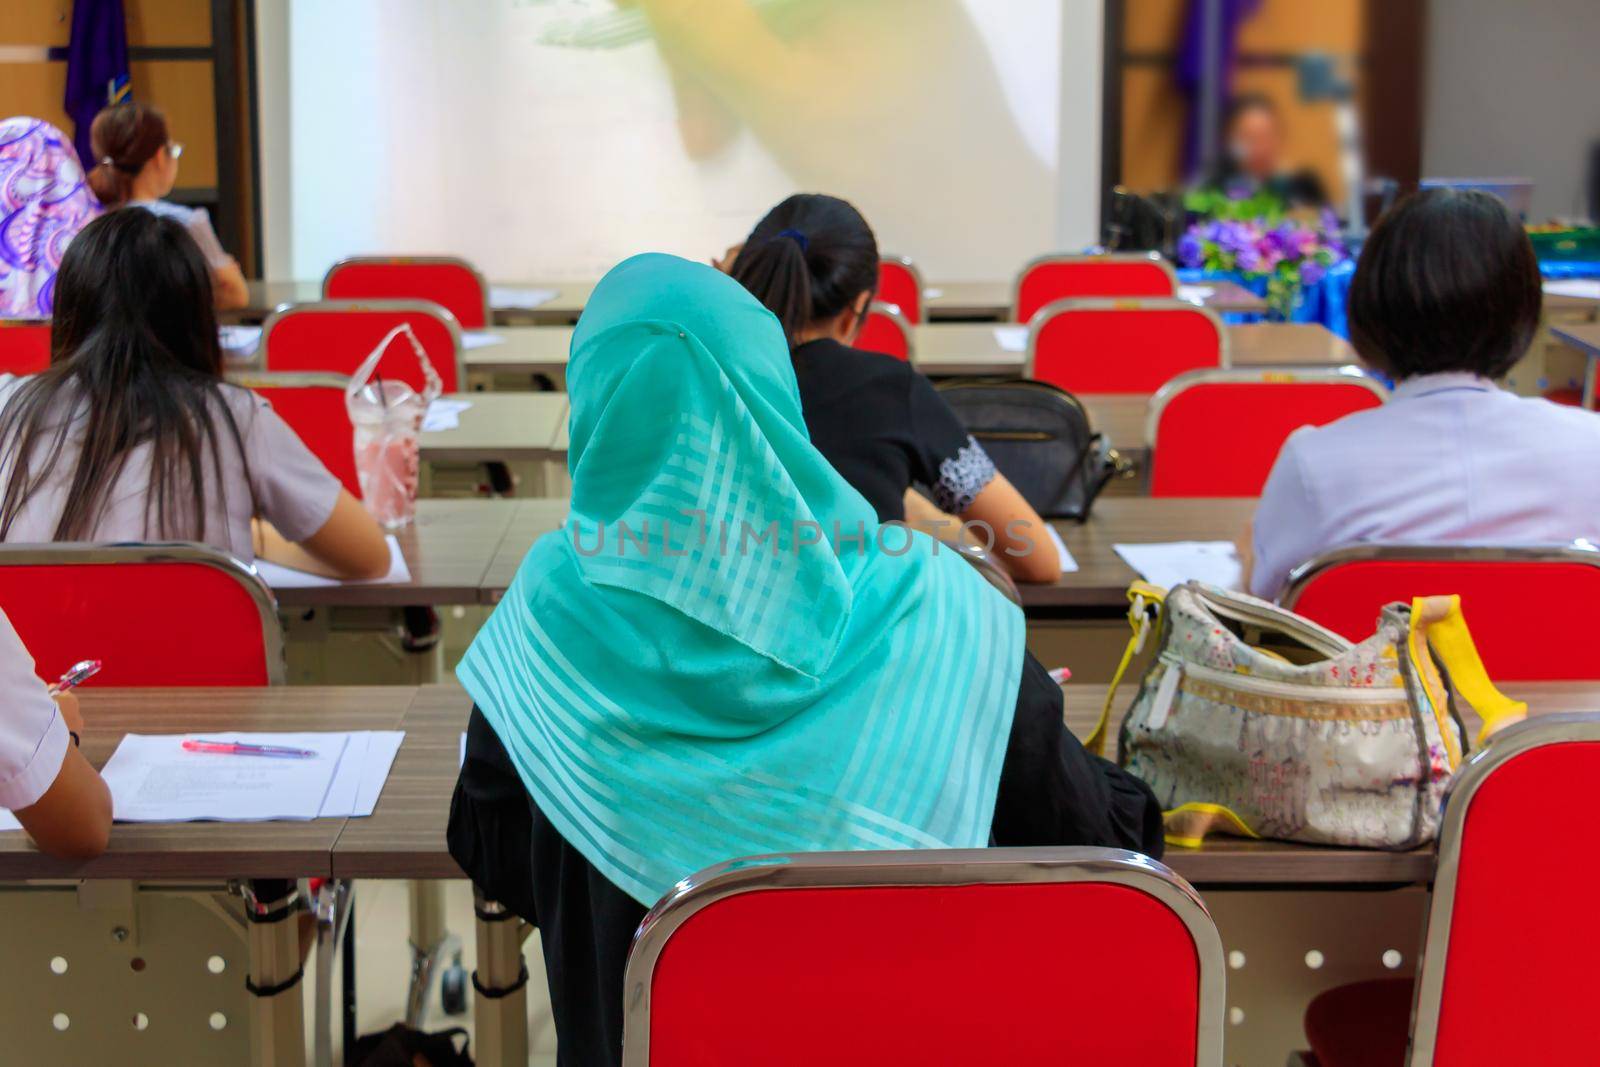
[[1051, 792], [885, 428]]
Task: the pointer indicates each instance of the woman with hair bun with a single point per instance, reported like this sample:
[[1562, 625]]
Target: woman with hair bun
[[137, 165]]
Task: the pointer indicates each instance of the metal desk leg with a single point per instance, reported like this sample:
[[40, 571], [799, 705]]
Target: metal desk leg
[[277, 1012], [500, 985], [334, 901], [430, 942], [1590, 364]]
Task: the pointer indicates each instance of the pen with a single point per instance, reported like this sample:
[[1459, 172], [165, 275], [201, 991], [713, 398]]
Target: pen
[[76, 675], [240, 748]]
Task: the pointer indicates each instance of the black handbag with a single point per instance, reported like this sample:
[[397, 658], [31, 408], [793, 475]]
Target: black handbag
[[1039, 437]]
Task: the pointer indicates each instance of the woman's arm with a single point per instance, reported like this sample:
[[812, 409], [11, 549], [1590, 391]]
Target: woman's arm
[[72, 820], [350, 544], [1022, 544], [228, 285]]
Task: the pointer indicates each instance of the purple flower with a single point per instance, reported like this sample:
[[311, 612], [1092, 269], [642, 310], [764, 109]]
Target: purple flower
[[1312, 272], [1191, 253]]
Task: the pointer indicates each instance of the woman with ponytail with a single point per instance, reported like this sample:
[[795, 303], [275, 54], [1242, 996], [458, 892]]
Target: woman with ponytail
[[813, 261], [137, 165]]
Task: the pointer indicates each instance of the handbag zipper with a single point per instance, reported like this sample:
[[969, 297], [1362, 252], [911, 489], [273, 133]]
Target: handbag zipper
[[1314, 637], [1288, 690]]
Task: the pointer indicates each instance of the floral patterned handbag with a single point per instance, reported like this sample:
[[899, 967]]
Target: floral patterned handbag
[[1256, 722]]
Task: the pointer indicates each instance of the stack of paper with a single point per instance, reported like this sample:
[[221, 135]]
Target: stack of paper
[[512, 298], [1196, 294], [154, 779], [1167, 565], [471, 339], [444, 414], [280, 577]]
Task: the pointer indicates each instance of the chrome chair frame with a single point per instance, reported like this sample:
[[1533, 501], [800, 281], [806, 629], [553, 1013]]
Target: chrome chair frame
[[1580, 552], [930, 867], [916, 275], [425, 307], [893, 313]]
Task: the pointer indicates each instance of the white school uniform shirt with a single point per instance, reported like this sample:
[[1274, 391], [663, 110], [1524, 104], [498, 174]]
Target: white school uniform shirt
[[290, 486], [33, 735], [1451, 458]]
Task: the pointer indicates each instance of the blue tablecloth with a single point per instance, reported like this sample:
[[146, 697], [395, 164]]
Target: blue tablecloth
[[1325, 302], [1556, 269]]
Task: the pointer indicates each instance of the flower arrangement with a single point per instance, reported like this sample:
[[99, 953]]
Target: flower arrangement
[[1253, 236]]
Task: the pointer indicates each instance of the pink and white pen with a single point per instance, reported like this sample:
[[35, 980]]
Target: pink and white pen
[[240, 748], [76, 675]]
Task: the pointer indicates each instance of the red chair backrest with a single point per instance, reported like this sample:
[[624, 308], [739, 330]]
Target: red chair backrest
[[24, 346], [1501, 597], [185, 616], [1512, 921], [882, 333], [1220, 437], [1122, 346], [898, 284], [1045, 281], [453, 284], [318, 415], [853, 976], [338, 337]]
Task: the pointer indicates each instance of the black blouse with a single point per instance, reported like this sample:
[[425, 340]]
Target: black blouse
[[1052, 792], [885, 428]]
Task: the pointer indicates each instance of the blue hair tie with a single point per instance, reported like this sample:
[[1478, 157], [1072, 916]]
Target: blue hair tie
[[798, 238]]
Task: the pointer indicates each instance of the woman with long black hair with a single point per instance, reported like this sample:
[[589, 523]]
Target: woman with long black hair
[[131, 434]]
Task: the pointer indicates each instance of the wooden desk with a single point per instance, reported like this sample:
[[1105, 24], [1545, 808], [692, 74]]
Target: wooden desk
[[1099, 584], [951, 348], [211, 850], [1586, 339], [448, 551], [501, 426], [267, 297]]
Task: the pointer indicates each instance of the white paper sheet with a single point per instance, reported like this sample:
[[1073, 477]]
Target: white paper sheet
[[511, 297], [1588, 288], [1169, 564], [9, 821], [471, 339], [239, 343], [280, 577], [152, 779], [932, 292], [461, 757], [381, 749], [1012, 338], [1196, 294], [444, 414], [1068, 564], [341, 798]]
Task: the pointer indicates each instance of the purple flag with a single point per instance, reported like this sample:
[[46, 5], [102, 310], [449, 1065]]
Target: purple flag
[[97, 66], [1192, 64]]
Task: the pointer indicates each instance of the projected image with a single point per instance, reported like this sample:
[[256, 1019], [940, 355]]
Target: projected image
[[591, 129]]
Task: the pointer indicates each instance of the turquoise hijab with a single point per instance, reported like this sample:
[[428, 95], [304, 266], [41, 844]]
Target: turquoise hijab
[[722, 654]]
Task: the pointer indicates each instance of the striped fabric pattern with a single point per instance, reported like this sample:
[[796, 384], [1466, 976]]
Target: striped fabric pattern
[[672, 701]]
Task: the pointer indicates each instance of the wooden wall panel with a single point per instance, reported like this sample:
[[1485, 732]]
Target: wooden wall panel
[[35, 22], [1152, 25], [169, 22], [1302, 26], [184, 91], [1152, 128]]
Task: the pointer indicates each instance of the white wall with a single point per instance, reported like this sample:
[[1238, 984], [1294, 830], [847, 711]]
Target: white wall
[[419, 126], [1513, 90]]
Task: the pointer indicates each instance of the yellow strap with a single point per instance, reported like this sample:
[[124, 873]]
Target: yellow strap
[[1188, 824], [1144, 604], [1446, 627]]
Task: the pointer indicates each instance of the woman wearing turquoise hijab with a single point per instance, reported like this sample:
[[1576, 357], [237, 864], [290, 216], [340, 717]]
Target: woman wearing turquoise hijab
[[723, 654]]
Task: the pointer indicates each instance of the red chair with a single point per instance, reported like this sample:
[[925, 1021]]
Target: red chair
[[1507, 974], [886, 330], [869, 958], [452, 283], [900, 284], [1217, 432], [156, 615], [313, 406], [337, 335], [1115, 274], [24, 346], [1506, 592], [1122, 346]]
